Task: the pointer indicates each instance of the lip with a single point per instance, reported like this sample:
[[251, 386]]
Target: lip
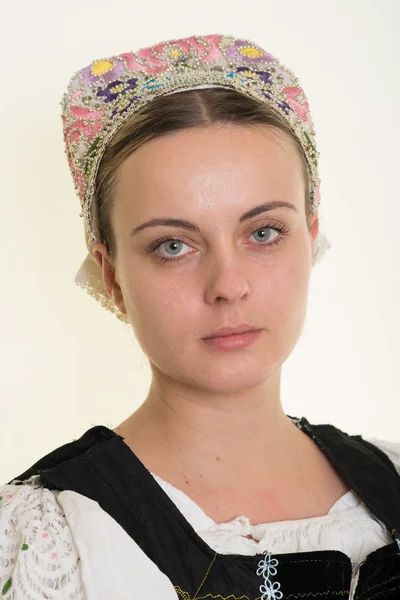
[[235, 341], [231, 330]]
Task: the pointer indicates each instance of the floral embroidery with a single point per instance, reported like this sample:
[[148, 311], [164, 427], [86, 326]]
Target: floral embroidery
[[242, 51], [265, 76], [115, 88], [106, 70], [152, 65], [102, 95], [285, 107], [6, 586], [312, 152], [85, 126], [122, 108], [76, 94], [297, 101], [267, 567]]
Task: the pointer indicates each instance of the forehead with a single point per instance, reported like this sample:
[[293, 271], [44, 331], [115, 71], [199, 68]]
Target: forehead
[[231, 163]]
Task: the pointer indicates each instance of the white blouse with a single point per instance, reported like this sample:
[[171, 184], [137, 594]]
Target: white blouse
[[62, 545]]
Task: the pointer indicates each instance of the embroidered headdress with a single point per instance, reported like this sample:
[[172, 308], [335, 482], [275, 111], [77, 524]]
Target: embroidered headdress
[[100, 97]]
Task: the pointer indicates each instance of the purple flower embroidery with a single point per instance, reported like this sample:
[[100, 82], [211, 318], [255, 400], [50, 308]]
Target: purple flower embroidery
[[102, 70], [115, 88], [285, 107], [267, 94], [243, 51], [265, 76]]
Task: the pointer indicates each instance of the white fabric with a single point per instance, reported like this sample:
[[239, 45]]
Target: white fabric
[[75, 550]]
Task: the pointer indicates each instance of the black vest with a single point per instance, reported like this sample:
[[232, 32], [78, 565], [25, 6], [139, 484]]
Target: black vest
[[102, 467]]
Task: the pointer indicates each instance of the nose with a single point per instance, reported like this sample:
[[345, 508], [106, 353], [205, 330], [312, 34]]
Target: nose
[[226, 279]]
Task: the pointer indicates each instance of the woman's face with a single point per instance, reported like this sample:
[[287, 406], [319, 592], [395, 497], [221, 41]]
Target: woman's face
[[224, 270]]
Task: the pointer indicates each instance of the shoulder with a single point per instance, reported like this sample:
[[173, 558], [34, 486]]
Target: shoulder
[[63, 545], [36, 545]]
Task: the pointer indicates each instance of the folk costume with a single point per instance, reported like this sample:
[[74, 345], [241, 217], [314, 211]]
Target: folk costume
[[88, 521]]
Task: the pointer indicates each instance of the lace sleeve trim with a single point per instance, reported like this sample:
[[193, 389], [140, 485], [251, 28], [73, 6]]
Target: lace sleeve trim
[[38, 556]]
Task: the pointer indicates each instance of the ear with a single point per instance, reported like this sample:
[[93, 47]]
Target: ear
[[110, 281]]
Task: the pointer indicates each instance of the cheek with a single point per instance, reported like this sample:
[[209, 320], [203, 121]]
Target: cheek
[[168, 313], [287, 301], [161, 309]]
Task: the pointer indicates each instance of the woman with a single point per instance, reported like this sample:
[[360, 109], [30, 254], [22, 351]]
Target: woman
[[182, 154]]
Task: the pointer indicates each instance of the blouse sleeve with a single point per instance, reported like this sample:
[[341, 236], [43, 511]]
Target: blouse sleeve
[[38, 556], [61, 545]]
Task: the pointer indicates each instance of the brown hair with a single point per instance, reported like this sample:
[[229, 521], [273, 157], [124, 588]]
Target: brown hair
[[164, 114]]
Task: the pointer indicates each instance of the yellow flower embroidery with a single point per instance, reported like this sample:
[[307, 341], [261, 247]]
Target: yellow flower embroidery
[[252, 52], [249, 74], [102, 66]]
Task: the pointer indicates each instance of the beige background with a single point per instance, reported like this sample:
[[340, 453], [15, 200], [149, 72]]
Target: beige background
[[66, 363]]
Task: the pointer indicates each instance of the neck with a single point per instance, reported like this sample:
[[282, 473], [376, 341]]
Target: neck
[[246, 430]]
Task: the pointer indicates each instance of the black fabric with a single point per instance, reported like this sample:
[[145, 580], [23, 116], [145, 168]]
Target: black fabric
[[102, 467]]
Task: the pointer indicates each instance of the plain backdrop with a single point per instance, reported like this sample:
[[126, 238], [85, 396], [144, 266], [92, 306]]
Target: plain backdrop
[[66, 363]]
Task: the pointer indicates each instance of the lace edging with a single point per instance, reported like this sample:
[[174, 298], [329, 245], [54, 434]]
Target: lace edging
[[39, 557], [94, 288]]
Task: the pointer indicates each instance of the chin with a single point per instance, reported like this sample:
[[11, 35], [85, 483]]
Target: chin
[[229, 374]]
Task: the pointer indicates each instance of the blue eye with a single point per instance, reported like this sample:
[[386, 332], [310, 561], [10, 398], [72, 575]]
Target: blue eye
[[177, 242], [263, 229]]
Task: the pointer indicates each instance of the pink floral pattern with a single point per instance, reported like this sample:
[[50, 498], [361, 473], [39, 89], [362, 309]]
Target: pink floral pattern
[[101, 95], [297, 100], [84, 128], [158, 58], [210, 51]]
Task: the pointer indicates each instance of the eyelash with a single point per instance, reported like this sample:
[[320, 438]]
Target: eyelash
[[157, 243]]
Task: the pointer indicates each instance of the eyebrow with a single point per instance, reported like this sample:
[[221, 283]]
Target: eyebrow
[[257, 210]]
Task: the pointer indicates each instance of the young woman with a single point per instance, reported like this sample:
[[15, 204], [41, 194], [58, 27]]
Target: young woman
[[197, 170]]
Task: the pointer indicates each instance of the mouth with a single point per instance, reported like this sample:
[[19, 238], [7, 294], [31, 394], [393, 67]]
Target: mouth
[[231, 334], [231, 330], [233, 341]]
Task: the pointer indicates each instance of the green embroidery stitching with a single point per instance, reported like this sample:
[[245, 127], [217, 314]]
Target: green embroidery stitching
[[24, 545], [91, 153], [312, 152], [6, 586]]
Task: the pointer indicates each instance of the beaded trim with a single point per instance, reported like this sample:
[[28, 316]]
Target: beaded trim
[[101, 96]]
